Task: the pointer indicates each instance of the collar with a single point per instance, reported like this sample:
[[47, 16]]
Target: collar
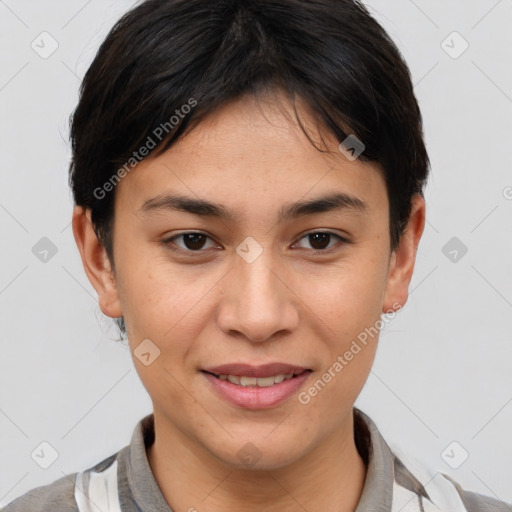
[[377, 492]]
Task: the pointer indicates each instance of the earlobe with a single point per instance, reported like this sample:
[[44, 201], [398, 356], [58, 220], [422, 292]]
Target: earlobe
[[96, 263], [403, 259]]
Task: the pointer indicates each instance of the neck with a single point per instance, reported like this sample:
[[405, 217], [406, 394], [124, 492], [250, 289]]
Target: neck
[[330, 477]]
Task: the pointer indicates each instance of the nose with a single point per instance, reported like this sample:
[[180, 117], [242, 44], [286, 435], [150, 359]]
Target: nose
[[257, 302]]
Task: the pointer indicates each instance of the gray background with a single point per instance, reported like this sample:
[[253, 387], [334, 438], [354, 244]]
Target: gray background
[[443, 368]]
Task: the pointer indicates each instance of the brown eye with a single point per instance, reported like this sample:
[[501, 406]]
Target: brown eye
[[189, 242], [322, 240], [194, 241], [319, 240]]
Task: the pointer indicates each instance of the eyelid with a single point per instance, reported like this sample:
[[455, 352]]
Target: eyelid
[[168, 242], [343, 240]]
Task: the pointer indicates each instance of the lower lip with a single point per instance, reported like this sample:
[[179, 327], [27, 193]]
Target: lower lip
[[255, 397]]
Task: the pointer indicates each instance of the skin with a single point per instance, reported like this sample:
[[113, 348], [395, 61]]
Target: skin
[[293, 304]]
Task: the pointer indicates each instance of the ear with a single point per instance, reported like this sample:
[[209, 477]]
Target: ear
[[96, 263], [402, 259]]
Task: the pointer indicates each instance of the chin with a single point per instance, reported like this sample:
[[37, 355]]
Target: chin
[[256, 452]]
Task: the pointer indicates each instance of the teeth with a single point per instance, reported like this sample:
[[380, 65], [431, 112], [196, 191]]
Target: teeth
[[234, 379], [261, 382], [248, 381]]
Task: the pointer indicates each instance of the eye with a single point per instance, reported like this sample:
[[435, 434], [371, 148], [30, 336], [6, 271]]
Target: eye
[[321, 240], [193, 241]]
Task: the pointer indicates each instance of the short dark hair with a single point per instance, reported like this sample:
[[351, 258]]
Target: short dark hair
[[164, 55]]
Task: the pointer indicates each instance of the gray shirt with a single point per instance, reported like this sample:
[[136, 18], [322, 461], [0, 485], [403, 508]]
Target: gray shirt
[[124, 482]]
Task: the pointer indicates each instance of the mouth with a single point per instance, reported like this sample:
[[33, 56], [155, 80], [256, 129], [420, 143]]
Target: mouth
[[256, 387], [258, 382]]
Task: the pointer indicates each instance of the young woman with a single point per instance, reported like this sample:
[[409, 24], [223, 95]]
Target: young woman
[[248, 178]]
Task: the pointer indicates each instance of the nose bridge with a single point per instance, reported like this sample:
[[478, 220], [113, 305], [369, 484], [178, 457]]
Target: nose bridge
[[258, 284], [256, 303]]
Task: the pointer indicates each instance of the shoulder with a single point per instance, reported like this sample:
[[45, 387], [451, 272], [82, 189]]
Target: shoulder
[[58, 496], [474, 502], [411, 484], [439, 489]]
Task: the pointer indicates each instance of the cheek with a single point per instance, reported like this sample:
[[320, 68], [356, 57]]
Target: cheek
[[166, 308], [349, 303], [347, 295], [350, 307], [163, 303]]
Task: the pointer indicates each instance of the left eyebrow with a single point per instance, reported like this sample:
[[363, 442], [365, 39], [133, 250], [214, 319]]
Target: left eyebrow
[[205, 208], [323, 204]]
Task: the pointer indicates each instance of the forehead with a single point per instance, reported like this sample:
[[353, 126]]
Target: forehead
[[252, 152]]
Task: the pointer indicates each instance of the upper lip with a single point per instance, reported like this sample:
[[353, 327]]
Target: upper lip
[[248, 370]]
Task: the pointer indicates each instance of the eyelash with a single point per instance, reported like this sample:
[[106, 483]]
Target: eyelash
[[168, 242]]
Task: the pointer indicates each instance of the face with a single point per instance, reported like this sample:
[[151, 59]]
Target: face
[[244, 245]]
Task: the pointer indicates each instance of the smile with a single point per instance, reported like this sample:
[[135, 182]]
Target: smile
[[251, 392], [260, 382]]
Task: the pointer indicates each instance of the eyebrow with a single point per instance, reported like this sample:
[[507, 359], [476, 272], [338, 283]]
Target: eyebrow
[[204, 208]]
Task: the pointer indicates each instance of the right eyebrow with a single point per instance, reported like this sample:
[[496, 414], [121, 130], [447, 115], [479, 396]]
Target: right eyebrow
[[201, 207]]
